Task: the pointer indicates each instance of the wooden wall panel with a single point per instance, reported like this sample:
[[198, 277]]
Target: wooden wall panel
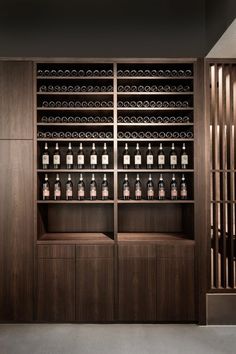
[[16, 230], [16, 100]]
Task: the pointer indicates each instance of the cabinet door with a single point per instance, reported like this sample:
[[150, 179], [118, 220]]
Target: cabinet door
[[137, 283], [175, 283], [16, 230], [56, 284], [94, 284], [16, 100]]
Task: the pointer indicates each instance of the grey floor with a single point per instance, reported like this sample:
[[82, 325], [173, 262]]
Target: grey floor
[[116, 339]]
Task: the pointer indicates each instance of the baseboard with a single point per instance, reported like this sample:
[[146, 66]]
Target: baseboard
[[221, 309]]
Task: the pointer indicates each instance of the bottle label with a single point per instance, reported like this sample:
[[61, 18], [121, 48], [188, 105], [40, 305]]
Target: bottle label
[[80, 159], [149, 159], [126, 159], [93, 159], [69, 192], [183, 192], [93, 192], [81, 192], [46, 192], [174, 192], [161, 192], [57, 192], [137, 160], [105, 160], [69, 159], [173, 160], [45, 159], [138, 192], [184, 159], [150, 192], [105, 192], [126, 192], [161, 160], [56, 159]]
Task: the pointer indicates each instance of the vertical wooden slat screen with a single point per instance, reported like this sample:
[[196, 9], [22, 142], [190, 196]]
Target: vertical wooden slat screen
[[222, 76]]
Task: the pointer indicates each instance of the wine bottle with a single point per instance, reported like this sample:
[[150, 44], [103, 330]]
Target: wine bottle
[[161, 188], [149, 157], [69, 188], [183, 189], [161, 157], [80, 156], [45, 157], [105, 157], [150, 188], [57, 188], [126, 188], [81, 188], [138, 189], [69, 157], [173, 157], [137, 157], [46, 188], [126, 157], [56, 157], [105, 189], [93, 157], [173, 188], [184, 157], [93, 188]]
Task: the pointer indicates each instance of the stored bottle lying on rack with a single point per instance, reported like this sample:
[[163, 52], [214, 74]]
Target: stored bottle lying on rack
[[69, 189], [76, 88], [154, 88], [155, 72], [74, 72], [76, 104], [75, 135], [153, 119], [77, 119], [150, 192], [152, 104], [155, 135], [69, 157]]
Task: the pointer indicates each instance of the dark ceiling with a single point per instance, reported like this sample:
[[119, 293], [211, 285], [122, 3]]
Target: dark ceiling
[[105, 28]]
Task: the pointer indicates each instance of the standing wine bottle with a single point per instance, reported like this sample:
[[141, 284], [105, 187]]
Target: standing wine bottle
[[126, 188], [45, 157], [69, 188], [126, 157], [105, 188], [149, 157], [173, 188], [184, 157], [161, 157], [161, 188], [56, 157], [105, 157], [93, 157], [80, 157], [150, 188], [81, 188], [137, 157], [183, 189], [138, 189], [46, 188], [173, 157], [69, 157], [57, 188], [93, 188]]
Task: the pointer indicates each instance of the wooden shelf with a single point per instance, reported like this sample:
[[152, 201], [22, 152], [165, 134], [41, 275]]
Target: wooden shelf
[[74, 124], [155, 77], [86, 201], [153, 93], [75, 77], [74, 238], [75, 108], [155, 124], [152, 139], [153, 237], [155, 201], [71, 139], [155, 108], [154, 170], [65, 170], [75, 93]]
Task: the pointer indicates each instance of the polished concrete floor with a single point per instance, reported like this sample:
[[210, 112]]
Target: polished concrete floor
[[116, 339]]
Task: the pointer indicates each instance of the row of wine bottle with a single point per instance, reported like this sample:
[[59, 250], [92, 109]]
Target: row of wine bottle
[[138, 162], [74, 72], [175, 191], [153, 119], [57, 190], [153, 104], [153, 88], [155, 135], [76, 88], [74, 135], [77, 104], [69, 158], [77, 119], [155, 72]]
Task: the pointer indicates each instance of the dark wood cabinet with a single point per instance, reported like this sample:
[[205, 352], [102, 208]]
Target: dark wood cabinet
[[175, 282], [137, 283], [16, 230], [56, 283], [94, 283], [16, 100]]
